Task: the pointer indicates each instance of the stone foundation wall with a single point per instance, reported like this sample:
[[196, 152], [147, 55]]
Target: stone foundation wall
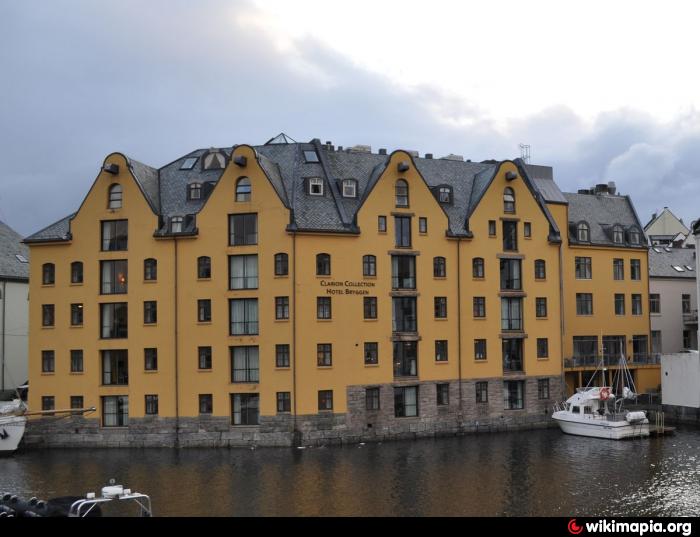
[[681, 414], [324, 428]]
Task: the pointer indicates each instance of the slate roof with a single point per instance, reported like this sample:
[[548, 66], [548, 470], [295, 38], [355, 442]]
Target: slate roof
[[10, 246], [661, 262]]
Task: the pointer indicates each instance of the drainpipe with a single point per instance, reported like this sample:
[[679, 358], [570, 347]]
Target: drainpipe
[[562, 323], [296, 435], [2, 344], [177, 336], [459, 328]]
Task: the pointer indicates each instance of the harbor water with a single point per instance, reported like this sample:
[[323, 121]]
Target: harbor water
[[533, 473]]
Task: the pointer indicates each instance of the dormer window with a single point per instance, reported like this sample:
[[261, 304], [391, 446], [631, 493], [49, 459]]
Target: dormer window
[[349, 188], [316, 186], [634, 236], [583, 232], [176, 224], [508, 200], [243, 189], [618, 234], [401, 193], [310, 156], [445, 194], [195, 191], [115, 196], [189, 163]]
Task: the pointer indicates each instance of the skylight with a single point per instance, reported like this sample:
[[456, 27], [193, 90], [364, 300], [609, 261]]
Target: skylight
[[678, 269], [667, 249], [657, 250], [189, 163], [310, 156], [688, 267], [21, 258]]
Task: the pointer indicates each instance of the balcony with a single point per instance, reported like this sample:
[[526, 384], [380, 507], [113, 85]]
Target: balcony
[[690, 317], [610, 361]]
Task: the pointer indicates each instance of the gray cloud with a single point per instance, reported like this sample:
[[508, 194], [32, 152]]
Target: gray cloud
[[158, 79]]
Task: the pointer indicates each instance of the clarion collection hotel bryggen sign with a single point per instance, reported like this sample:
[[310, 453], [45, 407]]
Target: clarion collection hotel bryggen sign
[[347, 287]]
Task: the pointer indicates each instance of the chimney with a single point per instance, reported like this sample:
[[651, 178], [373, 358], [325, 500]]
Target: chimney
[[601, 188], [382, 151], [612, 188], [428, 155]]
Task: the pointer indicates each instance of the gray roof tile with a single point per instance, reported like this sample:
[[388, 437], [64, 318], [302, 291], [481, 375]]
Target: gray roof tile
[[661, 263], [11, 246]]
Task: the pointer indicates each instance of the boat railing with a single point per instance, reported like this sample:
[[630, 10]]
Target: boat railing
[[616, 416]]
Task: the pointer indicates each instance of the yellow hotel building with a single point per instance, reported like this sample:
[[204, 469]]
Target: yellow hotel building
[[298, 293]]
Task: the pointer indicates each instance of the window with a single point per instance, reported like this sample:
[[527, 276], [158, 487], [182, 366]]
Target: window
[[310, 156], [510, 236], [371, 353], [76, 401], [482, 392], [541, 307], [404, 315], [76, 272], [542, 347], [405, 358], [115, 368], [686, 339], [527, 229], [324, 355], [443, 394], [586, 347], [381, 224], [656, 346], [510, 275], [323, 265], [540, 269], [441, 350], [511, 313], [439, 267], [349, 188], [406, 402], [325, 400], [204, 310], [619, 304], [685, 303], [189, 163], [640, 348], [401, 193], [115, 411], [114, 277], [47, 315], [441, 307], [677, 268], [204, 267], [115, 197], [402, 225], [614, 347], [513, 395], [194, 191], [369, 304], [323, 307], [542, 388], [284, 402], [618, 269], [245, 366], [369, 265], [76, 314], [281, 264], [584, 270], [583, 232], [479, 349], [445, 194], [244, 316], [204, 357], [150, 269], [478, 267], [372, 398], [176, 224], [422, 225], [151, 405], [634, 236], [654, 303], [48, 274], [403, 272], [245, 408], [150, 312], [48, 402], [243, 271], [584, 304], [479, 306], [48, 362], [243, 229], [76, 361], [282, 355], [508, 200], [635, 269], [512, 354], [281, 307], [618, 234], [114, 235], [150, 359], [316, 186], [114, 320], [492, 228], [636, 304], [243, 189], [206, 403]]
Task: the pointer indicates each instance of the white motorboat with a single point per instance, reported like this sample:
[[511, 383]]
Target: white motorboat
[[12, 424]]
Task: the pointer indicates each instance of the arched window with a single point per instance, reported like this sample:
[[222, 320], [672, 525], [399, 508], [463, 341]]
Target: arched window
[[76, 272], [115, 196], [150, 269], [478, 267], [243, 189], [176, 224], [369, 265], [635, 236], [323, 265], [195, 191], [204, 267], [281, 264], [618, 234], [439, 267], [540, 269], [583, 232], [48, 274], [401, 193], [508, 200]]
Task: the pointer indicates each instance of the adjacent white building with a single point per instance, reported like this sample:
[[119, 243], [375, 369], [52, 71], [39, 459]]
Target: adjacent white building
[[666, 229], [14, 309]]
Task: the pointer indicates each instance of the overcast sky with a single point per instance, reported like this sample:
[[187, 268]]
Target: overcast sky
[[601, 91]]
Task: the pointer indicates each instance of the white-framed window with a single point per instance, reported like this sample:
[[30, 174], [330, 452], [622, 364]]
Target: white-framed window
[[115, 196], [583, 232], [176, 224], [316, 186], [349, 188]]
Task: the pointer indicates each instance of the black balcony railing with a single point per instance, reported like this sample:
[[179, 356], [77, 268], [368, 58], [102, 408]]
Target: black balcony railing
[[593, 361], [690, 317]]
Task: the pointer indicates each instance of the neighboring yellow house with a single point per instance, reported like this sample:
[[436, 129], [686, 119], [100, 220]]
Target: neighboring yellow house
[[298, 293]]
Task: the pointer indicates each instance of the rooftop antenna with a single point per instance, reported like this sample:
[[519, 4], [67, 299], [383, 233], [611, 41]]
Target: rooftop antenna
[[525, 153]]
